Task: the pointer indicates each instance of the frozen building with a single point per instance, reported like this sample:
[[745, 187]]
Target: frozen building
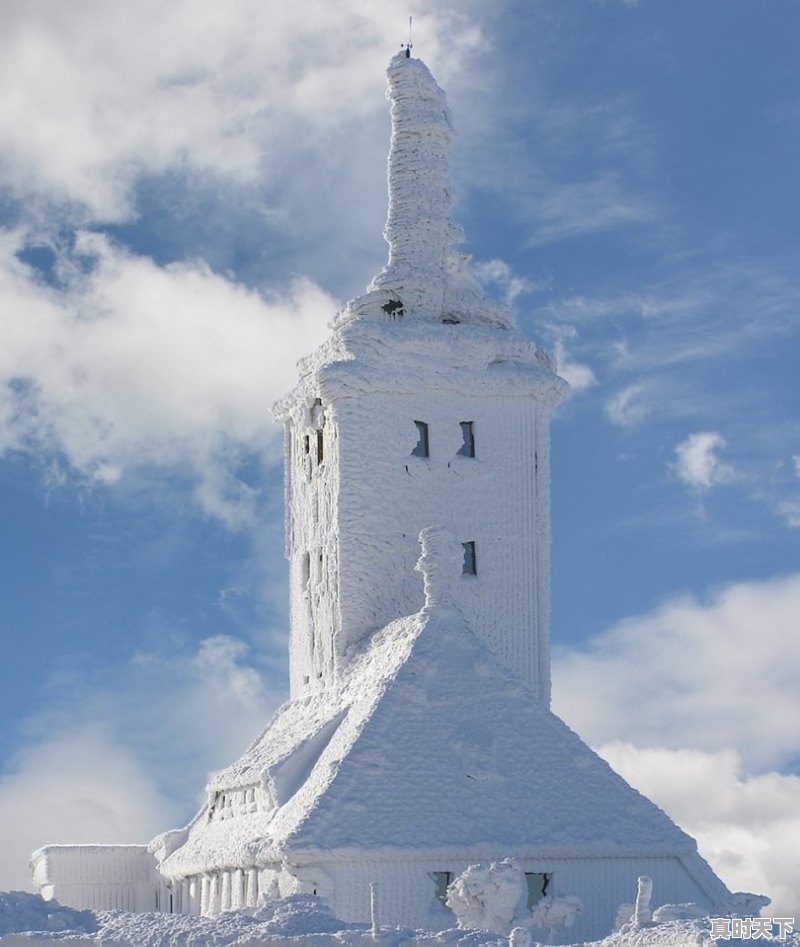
[[418, 739]]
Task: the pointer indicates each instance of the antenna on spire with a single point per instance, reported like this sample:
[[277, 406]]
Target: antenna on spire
[[409, 44]]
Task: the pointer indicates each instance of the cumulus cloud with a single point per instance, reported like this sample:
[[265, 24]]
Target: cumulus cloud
[[745, 826], [128, 363], [78, 786], [720, 673], [97, 97], [696, 705], [167, 720], [698, 463]]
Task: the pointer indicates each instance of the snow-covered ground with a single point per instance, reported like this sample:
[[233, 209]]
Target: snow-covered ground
[[301, 921]]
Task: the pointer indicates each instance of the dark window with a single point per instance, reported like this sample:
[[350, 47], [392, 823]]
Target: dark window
[[537, 887], [394, 309], [467, 448], [423, 445], [307, 444], [320, 446], [470, 562], [441, 880]]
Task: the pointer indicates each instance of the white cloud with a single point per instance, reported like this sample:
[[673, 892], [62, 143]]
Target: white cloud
[[696, 704], [131, 364], [628, 407], [77, 786], [708, 675], [580, 376], [498, 273], [698, 464], [96, 96], [168, 718], [746, 826], [790, 511]]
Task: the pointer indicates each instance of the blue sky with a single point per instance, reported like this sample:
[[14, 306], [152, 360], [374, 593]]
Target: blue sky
[[187, 195]]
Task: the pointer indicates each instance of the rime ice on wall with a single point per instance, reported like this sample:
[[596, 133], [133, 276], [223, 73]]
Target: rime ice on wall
[[100, 877], [353, 520]]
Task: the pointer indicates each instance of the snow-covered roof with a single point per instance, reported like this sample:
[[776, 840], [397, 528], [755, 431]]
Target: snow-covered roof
[[428, 746]]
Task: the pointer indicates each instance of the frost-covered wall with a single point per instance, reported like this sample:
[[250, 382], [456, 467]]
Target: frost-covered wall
[[312, 473], [426, 407], [99, 877], [407, 890], [424, 425]]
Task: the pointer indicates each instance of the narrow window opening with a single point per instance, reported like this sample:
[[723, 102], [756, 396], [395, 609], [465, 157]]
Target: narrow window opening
[[305, 567], [537, 883], [306, 678], [423, 444], [467, 448], [320, 446], [470, 566], [307, 444], [441, 881]]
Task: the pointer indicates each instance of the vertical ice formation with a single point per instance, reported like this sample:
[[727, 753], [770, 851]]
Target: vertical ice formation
[[440, 565], [424, 278], [419, 230]]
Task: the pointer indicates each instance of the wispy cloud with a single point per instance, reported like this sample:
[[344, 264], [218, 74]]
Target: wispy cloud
[[628, 407]]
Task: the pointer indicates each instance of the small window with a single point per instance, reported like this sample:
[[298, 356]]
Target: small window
[[537, 887], [423, 444], [394, 309], [307, 444], [305, 574], [320, 446], [441, 881], [467, 448], [470, 566]]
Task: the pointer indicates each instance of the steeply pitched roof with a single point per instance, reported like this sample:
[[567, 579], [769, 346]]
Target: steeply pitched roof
[[428, 745]]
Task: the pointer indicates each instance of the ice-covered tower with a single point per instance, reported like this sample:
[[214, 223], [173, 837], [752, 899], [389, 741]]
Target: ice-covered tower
[[425, 407]]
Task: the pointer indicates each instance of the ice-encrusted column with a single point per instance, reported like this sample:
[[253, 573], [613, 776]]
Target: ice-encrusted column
[[419, 229]]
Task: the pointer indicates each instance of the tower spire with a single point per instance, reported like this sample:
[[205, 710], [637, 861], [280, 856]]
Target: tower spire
[[419, 229], [425, 279]]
